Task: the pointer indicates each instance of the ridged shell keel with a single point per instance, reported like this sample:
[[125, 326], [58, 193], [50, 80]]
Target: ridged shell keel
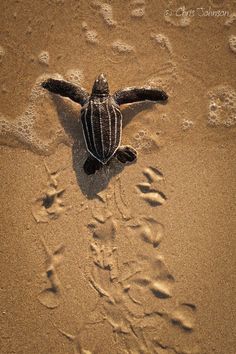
[[102, 125]]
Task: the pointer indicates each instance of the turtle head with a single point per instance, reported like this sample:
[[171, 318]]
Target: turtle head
[[100, 86]]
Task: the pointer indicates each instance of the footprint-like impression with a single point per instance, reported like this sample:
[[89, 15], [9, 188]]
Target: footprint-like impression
[[104, 228], [50, 205], [183, 316], [152, 276], [77, 338], [149, 230], [148, 190], [50, 297]]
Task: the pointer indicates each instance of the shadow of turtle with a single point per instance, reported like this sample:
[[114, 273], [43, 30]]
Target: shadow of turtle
[[69, 114], [130, 111]]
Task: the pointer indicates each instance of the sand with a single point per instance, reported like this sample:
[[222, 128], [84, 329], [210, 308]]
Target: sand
[[137, 258]]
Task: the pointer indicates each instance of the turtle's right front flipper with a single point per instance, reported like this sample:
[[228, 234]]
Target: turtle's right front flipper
[[66, 89], [137, 94]]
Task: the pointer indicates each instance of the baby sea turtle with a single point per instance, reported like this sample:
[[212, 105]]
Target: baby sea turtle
[[102, 119]]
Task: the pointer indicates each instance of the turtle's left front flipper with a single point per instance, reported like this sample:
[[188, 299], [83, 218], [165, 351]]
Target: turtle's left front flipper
[[66, 89], [137, 94]]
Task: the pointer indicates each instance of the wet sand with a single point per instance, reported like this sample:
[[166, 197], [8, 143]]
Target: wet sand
[[137, 258]]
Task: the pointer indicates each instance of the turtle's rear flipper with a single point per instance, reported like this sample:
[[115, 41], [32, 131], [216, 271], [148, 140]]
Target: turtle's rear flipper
[[91, 165], [126, 154]]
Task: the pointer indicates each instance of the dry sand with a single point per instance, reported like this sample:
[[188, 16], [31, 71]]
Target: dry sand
[[139, 259]]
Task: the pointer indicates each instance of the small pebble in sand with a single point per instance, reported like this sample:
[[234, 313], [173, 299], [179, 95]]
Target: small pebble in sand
[[2, 53], [32, 59], [84, 26], [43, 58], [4, 89], [29, 30]]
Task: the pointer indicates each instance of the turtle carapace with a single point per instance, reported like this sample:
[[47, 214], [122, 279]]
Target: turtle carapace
[[102, 119]]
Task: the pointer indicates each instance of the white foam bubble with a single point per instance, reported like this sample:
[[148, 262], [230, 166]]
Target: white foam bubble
[[213, 106], [222, 106], [187, 124], [23, 129], [75, 76], [232, 43], [91, 36], [122, 47], [161, 83], [106, 12], [43, 58], [163, 41], [144, 140], [140, 134], [138, 13], [4, 126], [230, 20]]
